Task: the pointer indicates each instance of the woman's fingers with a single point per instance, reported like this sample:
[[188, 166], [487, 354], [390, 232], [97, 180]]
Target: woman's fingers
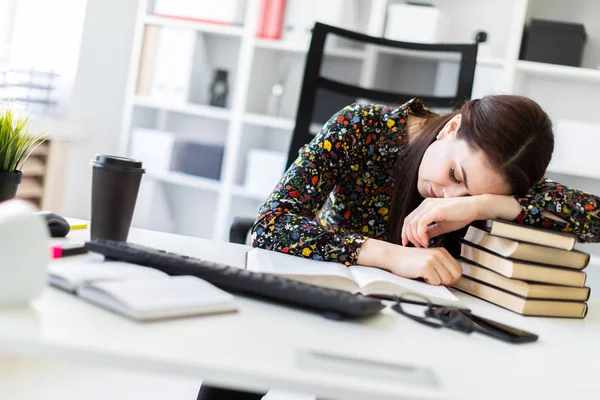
[[410, 234], [419, 217], [451, 266], [444, 273], [431, 276], [423, 223], [434, 230], [442, 268]]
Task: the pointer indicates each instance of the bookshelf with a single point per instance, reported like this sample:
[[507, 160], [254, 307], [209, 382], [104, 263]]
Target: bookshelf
[[43, 176], [536, 69], [193, 205]]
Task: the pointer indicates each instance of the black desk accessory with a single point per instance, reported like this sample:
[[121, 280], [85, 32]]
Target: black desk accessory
[[460, 320]]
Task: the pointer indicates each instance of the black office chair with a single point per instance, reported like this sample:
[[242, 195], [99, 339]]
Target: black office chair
[[314, 83]]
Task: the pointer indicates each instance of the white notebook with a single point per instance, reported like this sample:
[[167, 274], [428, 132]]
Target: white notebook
[[354, 279], [138, 292]]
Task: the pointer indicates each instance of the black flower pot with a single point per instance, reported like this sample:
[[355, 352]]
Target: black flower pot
[[9, 182]]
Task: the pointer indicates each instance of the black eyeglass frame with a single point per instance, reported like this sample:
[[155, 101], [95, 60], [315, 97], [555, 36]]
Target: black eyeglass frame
[[460, 320]]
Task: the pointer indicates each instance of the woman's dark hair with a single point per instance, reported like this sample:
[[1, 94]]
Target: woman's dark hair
[[512, 131]]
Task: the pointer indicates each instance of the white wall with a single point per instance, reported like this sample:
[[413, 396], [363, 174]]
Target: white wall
[[97, 100]]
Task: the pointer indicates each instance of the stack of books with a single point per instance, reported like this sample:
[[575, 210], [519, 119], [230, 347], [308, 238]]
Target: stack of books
[[530, 271]]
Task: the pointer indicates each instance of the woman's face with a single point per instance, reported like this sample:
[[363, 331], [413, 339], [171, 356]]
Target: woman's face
[[450, 168]]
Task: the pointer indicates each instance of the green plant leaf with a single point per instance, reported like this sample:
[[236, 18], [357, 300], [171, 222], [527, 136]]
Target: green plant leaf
[[16, 140]]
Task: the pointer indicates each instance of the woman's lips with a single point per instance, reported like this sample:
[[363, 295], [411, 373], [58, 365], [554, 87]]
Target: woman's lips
[[431, 192]]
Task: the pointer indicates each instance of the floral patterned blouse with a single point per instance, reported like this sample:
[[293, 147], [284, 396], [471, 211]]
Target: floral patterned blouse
[[337, 193]]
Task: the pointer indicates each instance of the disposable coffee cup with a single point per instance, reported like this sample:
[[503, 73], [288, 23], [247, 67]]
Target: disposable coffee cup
[[115, 186]]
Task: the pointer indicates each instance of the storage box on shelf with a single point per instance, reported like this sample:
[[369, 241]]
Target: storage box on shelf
[[420, 23], [554, 42], [264, 79], [257, 178]]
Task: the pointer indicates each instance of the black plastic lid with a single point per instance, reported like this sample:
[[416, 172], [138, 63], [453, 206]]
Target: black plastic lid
[[566, 27], [117, 163]]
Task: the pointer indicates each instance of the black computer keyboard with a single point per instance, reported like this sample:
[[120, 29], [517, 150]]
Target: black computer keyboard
[[332, 303]]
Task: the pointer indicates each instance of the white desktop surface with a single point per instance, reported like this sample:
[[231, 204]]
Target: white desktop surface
[[263, 345]]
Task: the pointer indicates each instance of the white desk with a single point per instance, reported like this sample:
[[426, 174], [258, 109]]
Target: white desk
[[263, 346]]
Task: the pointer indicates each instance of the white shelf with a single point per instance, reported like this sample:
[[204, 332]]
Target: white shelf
[[241, 191], [491, 62], [439, 56], [268, 121], [575, 172], [206, 27], [191, 181], [302, 48], [559, 71], [286, 124], [184, 108]]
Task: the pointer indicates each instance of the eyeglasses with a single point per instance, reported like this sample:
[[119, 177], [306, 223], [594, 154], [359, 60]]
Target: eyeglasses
[[423, 311], [420, 309]]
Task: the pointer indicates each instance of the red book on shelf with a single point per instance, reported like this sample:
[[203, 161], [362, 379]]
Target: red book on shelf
[[273, 18], [262, 18]]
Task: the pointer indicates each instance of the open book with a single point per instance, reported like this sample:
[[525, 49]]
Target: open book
[[354, 279], [135, 291]]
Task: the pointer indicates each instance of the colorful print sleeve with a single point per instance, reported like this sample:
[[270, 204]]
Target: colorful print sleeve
[[579, 209], [286, 222]]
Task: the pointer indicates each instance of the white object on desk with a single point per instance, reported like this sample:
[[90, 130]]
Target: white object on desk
[[151, 299], [70, 273], [136, 291], [24, 250], [355, 279]]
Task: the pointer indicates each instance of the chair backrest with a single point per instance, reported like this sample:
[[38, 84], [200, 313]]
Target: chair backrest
[[313, 80]]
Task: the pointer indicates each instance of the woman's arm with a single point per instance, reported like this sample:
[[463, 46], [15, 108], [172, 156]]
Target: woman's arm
[[548, 205], [286, 222], [579, 211], [436, 266]]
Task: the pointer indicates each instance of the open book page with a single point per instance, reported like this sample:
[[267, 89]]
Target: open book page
[[72, 274], [321, 273], [158, 298], [376, 281]]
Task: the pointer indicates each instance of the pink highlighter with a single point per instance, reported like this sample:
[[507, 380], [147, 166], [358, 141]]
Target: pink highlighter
[[66, 250]]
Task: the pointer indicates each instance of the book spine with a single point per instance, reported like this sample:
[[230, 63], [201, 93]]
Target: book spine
[[262, 18], [274, 19], [147, 60]]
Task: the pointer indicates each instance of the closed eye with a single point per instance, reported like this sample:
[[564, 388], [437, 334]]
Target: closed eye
[[453, 176]]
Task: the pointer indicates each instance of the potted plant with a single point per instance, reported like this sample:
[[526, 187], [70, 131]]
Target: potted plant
[[16, 144]]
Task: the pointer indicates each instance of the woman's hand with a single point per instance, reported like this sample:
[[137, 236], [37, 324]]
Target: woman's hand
[[436, 216], [436, 266]]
